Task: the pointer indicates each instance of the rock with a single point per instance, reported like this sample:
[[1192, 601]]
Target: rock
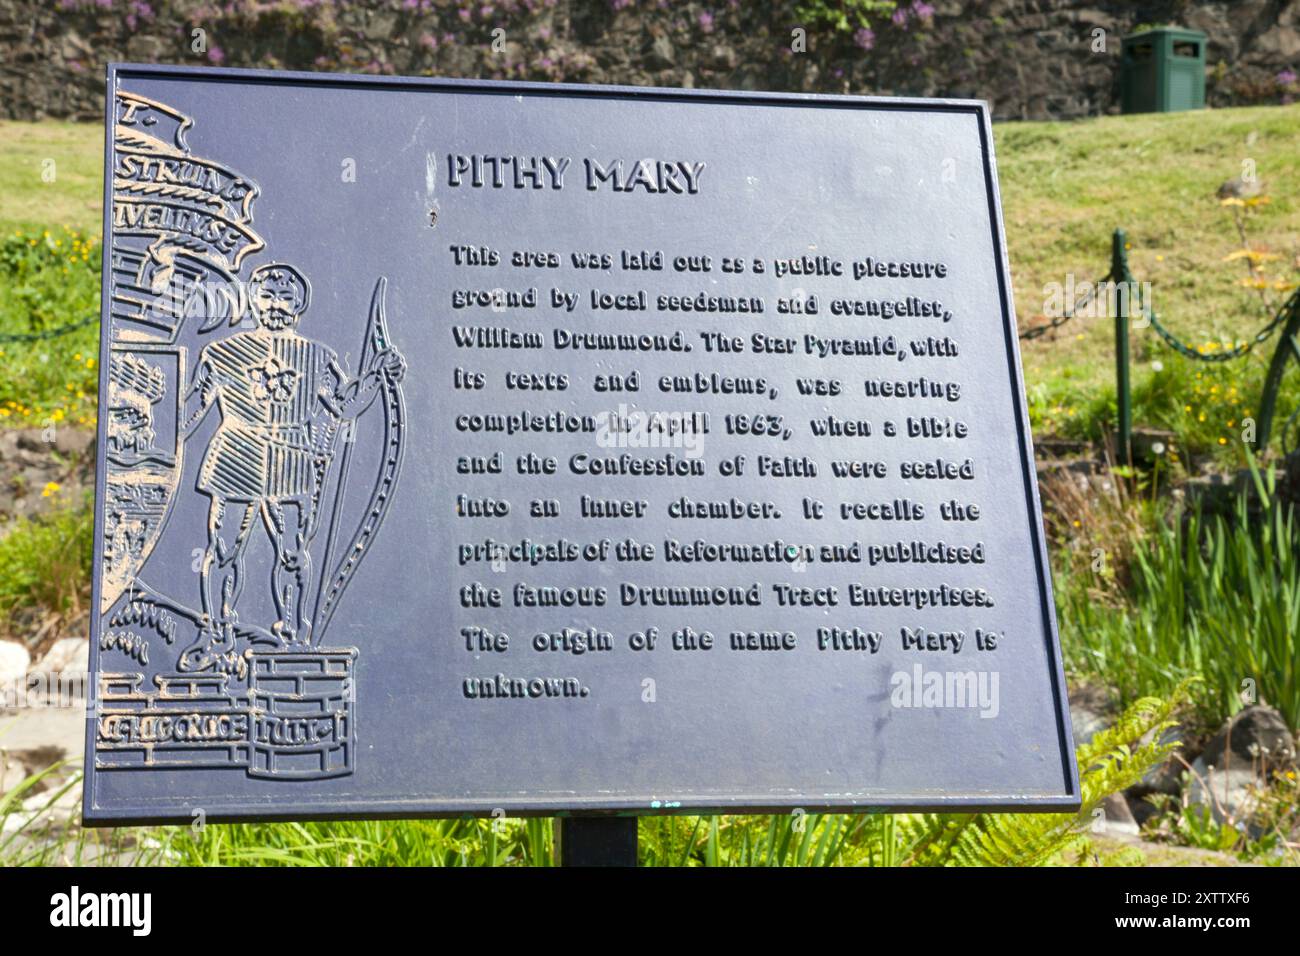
[[1119, 818], [1166, 777], [1151, 444], [12, 772], [1231, 795], [1142, 810], [74, 441], [14, 661], [1256, 738], [661, 55], [69, 655], [33, 439], [51, 806], [1085, 724], [1238, 188]]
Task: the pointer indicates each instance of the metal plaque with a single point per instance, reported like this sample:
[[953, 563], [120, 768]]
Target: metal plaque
[[494, 447]]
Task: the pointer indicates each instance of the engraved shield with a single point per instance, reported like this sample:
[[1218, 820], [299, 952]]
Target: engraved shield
[[143, 456], [182, 225]]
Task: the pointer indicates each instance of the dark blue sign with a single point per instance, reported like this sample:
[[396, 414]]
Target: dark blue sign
[[474, 447]]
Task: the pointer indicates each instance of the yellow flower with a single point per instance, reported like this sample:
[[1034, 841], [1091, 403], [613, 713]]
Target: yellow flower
[[51, 488]]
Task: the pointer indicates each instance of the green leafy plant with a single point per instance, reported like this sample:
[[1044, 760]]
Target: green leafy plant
[[1115, 759], [844, 16], [49, 333], [45, 562], [1212, 596]]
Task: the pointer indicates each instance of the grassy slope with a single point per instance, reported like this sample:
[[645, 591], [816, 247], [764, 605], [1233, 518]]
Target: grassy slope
[[75, 196], [1066, 186]]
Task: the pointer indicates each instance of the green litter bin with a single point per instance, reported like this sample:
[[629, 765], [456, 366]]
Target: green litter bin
[[1162, 70]]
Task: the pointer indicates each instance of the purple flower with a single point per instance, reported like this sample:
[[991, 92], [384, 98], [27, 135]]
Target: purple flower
[[1286, 77], [216, 55], [706, 22], [865, 38], [922, 10], [900, 17]]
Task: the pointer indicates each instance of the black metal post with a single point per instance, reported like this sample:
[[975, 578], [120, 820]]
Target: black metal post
[[1119, 275], [595, 841]]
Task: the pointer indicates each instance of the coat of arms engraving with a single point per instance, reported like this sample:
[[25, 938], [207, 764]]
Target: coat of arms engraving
[[213, 673]]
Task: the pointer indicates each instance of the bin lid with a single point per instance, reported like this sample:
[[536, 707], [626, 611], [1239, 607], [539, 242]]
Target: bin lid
[[1178, 33]]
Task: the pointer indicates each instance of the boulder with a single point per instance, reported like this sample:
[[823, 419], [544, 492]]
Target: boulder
[[1256, 737], [1166, 777], [1231, 795], [14, 661], [69, 655], [1085, 723], [1119, 818]]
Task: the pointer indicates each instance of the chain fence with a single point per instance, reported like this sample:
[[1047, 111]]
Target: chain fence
[[46, 334], [1286, 317]]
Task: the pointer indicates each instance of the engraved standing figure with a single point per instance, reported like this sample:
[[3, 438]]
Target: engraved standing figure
[[283, 399]]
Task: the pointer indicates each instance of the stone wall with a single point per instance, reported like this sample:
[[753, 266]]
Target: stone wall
[[1031, 59]]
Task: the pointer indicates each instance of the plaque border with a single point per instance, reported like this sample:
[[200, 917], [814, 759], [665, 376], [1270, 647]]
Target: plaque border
[[163, 810]]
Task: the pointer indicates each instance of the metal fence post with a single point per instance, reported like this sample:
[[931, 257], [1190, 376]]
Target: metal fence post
[[1119, 275]]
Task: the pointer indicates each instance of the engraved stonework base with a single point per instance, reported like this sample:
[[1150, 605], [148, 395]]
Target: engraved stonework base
[[294, 719]]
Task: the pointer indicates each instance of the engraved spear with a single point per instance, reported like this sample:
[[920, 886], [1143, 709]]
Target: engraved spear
[[376, 337]]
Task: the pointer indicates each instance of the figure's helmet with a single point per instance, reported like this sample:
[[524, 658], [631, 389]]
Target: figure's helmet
[[279, 294]]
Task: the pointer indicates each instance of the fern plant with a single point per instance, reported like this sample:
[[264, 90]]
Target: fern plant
[[1112, 761]]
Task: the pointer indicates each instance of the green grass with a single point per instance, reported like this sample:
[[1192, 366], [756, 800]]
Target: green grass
[[1067, 186], [1114, 759], [45, 562], [29, 199], [1212, 596], [48, 281]]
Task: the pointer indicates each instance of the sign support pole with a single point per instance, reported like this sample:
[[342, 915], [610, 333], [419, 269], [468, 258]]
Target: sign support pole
[[595, 841]]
